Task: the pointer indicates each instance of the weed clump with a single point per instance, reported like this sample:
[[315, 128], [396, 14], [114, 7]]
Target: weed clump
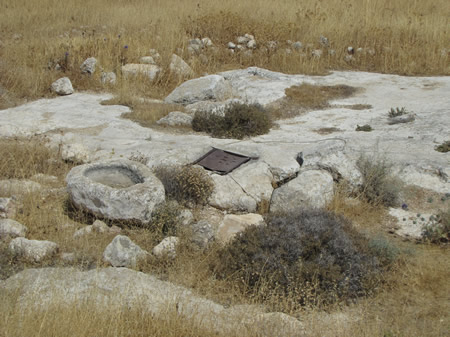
[[378, 185], [186, 184], [397, 112], [165, 220], [238, 121], [365, 128], [444, 147], [311, 254], [437, 230]]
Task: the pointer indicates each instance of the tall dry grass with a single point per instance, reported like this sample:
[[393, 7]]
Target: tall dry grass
[[408, 37]]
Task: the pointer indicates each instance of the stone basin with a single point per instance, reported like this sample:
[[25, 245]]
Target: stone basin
[[116, 190]]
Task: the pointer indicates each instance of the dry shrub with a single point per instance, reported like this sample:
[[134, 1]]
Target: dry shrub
[[239, 121], [308, 249], [186, 184], [165, 220], [444, 147], [438, 228], [378, 184]]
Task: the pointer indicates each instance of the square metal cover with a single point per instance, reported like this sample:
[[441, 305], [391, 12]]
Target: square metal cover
[[220, 161]]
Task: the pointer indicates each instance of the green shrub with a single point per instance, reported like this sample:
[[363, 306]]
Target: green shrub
[[383, 249], [238, 121], [397, 112], [365, 128], [437, 230], [297, 250], [188, 185], [378, 185], [165, 220], [444, 147]]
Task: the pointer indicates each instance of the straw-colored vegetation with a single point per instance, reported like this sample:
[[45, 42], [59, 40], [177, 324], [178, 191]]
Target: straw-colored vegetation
[[408, 37]]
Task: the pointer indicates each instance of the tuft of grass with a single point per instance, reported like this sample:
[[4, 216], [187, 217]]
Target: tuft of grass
[[238, 121], [365, 128], [444, 147], [397, 112], [188, 185], [165, 220], [378, 185]]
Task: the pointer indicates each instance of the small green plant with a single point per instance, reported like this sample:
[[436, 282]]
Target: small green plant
[[165, 220], [444, 147], [378, 184], [385, 251], [238, 121], [437, 230], [397, 112], [188, 185], [365, 128]]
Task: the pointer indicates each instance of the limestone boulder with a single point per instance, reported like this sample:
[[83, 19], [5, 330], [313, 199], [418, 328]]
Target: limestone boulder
[[88, 66], [167, 247], [211, 87], [33, 250], [62, 87], [12, 228], [179, 67], [122, 252], [116, 189], [312, 188], [233, 224], [229, 195]]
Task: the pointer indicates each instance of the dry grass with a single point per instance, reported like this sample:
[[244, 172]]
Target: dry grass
[[407, 37]]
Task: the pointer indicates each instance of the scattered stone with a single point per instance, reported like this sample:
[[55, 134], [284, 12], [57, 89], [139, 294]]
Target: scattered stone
[[206, 41], [167, 247], [272, 45], [100, 227], [75, 153], [211, 87], [186, 217], [288, 51], [116, 189], [108, 78], [179, 67], [297, 45], [12, 228], [122, 252], [134, 69], [234, 224], [251, 44], [33, 250], [62, 87], [360, 50], [324, 41], [156, 56], [317, 53], [18, 187], [88, 66], [348, 58], [202, 234], [371, 51], [82, 232], [68, 257], [312, 188], [147, 60], [176, 118], [231, 45], [242, 39], [7, 207], [331, 52], [350, 50]]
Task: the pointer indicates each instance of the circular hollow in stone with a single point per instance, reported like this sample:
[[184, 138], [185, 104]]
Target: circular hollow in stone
[[116, 190]]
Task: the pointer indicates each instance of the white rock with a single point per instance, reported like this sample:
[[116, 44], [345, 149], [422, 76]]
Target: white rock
[[231, 45], [242, 39], [156, 56], [122, 252], [108, 78], [148, 70], [317, 53], [251, 44], [297, 45], [176, 118], [234, 224], [12, 228], [272, 45], [147, 60], [167, 247], [7, 207], [33, 250], [62, 87], [206, 41], [249, 37], [211, 87], [179, 67], [75, 153], [310, 189], [202, 234], [100, 227], [186, 217], [324, 41], [88, 66], [83, 232], [229, 195]]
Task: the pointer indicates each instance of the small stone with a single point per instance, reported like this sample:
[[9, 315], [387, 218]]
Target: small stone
[[297, 45], [202, 234], [62, 87], [249, 37], [350, 50], [206, 41], [167, 247], [272, 45], [317, 53], [231, 45], [179, 67], [288, 51], [82, 232], [186, 217], [156, 56], [324, 41], [88, 66], [122, 252], [371, 51], [251, 44], [12, 228], [176, 118], [331, 52], [360, 50], [149, 70], [7, 208], [33, 250], [242, 40], [108, 78], [100, 227], [147, 60], [68, 257]]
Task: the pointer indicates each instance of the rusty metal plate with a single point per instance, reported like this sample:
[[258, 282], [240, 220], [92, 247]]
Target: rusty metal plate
[[222, 162]]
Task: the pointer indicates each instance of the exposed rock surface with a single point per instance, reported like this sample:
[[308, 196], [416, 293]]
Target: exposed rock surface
[[62, 87], [233, 224], [116, 287], [118, 189], [176, 118], [33, 250], [310, 189], [409, 224], [167, 247], [122, 252], [12, 228]]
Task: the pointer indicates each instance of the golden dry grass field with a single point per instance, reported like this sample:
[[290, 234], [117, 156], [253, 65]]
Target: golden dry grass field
[[408, 37]]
